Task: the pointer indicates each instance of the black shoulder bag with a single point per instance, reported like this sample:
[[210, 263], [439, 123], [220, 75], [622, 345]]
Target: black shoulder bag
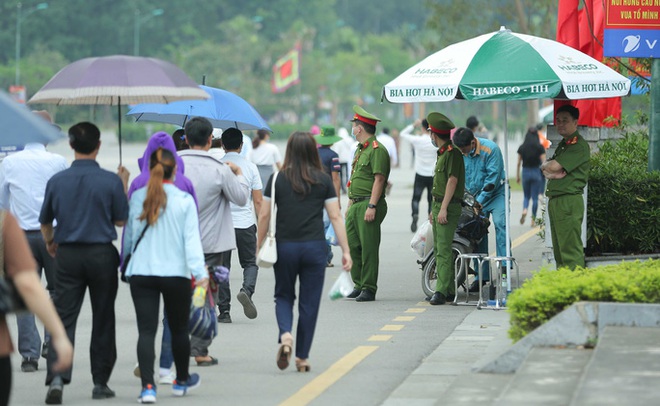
[[124, 264]]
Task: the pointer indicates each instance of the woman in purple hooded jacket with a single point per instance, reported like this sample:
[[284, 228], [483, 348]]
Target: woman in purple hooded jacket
[[164, 140]]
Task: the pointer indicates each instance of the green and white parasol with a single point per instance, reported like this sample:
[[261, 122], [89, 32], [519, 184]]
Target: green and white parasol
[[503, 65]]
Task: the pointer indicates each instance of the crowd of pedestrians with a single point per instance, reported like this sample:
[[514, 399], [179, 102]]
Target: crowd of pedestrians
[[190, 207]]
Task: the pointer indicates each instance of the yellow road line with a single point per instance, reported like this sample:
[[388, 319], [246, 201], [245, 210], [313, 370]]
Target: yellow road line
[[520, 240], [392, 327], [322, 382], [415, 310], [404, 318], [380, 337]]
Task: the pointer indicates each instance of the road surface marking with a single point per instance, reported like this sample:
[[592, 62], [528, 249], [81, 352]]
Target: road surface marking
[[380, 337], [404, 318], [520, 240], [336, 371], [415, 310], [392, 327]]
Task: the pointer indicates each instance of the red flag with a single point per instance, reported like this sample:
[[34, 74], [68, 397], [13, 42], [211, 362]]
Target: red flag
[[567, 31], [286, 71], [567, 23], [588, 38]]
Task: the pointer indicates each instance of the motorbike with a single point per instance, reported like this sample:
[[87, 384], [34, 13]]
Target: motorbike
[[472, 228]]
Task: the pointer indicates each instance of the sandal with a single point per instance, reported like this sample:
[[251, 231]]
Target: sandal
[[302, 365], [522, 218], [207, 362], [284, 353]]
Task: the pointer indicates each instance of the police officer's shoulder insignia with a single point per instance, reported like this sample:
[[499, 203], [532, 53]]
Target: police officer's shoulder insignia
[[572, 141], [445, 148], [374, 144]]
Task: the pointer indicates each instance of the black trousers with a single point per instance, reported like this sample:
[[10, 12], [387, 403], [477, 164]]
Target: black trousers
[[421, 183], [5, 379], [176, 292], [94, 267], [246, 245]]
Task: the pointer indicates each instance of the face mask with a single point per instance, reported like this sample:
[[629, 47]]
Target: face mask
[[353, 133], [433, 142]]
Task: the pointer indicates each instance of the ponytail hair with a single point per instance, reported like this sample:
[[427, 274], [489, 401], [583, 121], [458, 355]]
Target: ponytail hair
[[161, 167], [261, 135]]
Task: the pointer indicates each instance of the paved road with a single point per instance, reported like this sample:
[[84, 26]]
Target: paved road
[[361, 353]]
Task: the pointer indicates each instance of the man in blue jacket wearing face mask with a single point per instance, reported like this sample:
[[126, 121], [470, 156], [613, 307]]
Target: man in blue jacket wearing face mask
[[484, 165]]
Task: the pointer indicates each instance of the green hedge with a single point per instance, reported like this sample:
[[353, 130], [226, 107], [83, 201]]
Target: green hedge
[[623, 210], [548, 292]]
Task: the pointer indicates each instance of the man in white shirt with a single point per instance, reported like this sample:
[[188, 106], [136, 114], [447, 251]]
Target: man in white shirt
[[244, 226], [390, 145], [346, 151], [425, 157], [23, 178], [217, 184]]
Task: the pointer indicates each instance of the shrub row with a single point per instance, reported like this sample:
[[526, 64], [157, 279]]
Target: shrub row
[[623, 210], [549, 292]]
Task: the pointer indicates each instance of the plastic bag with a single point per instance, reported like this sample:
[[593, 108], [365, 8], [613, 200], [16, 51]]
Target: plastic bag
[[342, 287], [202, 322], [423, 237], [330, 236]]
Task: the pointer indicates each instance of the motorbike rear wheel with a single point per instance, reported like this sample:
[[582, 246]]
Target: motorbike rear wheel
[[430, 276]]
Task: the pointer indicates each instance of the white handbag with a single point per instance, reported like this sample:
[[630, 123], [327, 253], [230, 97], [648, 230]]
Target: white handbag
[[267, 255]]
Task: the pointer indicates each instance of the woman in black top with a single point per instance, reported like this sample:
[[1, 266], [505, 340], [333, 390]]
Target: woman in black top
[[531, 155], [302, 191]]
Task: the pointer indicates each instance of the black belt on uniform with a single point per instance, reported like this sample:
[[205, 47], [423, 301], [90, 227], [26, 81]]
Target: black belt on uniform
[[359, 199], [32, 231], [441, 198]]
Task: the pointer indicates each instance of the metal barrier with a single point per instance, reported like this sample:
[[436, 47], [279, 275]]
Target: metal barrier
[[462, 262], [502, 283]]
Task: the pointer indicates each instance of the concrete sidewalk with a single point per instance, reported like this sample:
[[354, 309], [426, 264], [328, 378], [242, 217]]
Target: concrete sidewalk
[[481, 335]]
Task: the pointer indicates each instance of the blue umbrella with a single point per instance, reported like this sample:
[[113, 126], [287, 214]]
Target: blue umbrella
[[20, 126], [223, 109]]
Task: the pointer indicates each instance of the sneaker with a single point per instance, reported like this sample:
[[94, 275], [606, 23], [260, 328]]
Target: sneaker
[[180, 388], [54, 394], [248, 305], [29, 365], [167, 379], [148, 395], [102, 392], [224, 317]]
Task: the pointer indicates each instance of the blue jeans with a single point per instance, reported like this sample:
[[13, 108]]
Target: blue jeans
[[166, 356], [304, 261], [532, 183], [29, 341], [496, 210]]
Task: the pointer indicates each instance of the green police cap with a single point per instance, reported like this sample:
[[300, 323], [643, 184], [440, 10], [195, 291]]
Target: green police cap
[[362, 115], [327, 136], [439, 123]]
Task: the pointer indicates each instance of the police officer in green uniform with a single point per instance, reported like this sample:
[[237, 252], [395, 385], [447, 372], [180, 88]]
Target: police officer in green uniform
[[567, 173], [448, 189], [367, 207]]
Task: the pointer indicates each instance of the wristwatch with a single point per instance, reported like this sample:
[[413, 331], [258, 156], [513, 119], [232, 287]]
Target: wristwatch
[[371, 206]]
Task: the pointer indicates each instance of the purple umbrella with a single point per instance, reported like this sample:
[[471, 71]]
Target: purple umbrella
[[116, 80]]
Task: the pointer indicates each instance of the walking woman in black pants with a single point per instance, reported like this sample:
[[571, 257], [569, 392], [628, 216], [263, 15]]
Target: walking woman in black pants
[[168, 254]]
